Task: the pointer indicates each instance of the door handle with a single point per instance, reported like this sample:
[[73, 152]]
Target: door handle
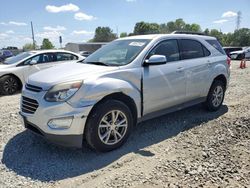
[[180, 69]]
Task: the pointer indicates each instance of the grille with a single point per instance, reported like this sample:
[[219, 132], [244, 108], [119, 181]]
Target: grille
[[33, 88], [29, 105]]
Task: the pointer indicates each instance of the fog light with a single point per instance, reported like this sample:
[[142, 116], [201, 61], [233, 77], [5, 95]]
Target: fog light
[[60, 123]]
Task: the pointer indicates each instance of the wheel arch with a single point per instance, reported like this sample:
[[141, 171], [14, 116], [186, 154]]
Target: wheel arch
[[119, 96], [222, 78]]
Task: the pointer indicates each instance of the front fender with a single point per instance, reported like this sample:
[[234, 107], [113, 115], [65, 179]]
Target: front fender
[[92, 92]]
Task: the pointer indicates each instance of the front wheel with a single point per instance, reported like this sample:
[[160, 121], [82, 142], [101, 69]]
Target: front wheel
[[9, 85], [109, 126], [215, 96]]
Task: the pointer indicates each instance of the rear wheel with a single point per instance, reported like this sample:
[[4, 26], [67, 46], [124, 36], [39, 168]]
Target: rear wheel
[[109, 126], [215, 96], [8, 85]]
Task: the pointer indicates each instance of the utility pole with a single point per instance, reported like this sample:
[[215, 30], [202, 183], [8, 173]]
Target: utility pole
[[33, 38], [117, 32], [238, 20]]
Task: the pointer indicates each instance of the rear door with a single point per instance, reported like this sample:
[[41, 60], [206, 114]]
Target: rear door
[[197, 67], [164, 85]]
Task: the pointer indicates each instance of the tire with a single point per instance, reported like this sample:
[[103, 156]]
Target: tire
[[215, 96], [9, 85], [101, 133]]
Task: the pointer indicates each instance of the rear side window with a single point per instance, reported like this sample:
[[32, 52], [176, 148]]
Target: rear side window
[[216, 45], [167, 48], [191, 49], [61, 56]]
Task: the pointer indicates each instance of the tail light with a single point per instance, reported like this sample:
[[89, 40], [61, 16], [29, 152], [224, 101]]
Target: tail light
[[229, 62]]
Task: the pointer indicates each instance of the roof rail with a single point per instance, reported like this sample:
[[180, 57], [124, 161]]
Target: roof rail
[[188, 32]]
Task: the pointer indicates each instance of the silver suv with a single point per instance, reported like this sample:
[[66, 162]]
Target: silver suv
[[129, 80]]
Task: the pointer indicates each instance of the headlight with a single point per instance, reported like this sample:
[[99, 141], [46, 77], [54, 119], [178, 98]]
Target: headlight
[[62, 92]]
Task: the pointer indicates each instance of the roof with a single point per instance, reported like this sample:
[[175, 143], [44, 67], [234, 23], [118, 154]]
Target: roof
[[47, 51], [155, 36]]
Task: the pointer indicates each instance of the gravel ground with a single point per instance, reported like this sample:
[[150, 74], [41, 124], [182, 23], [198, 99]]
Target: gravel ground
[[189, 148]]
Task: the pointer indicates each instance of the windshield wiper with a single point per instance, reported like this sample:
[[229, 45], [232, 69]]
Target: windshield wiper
[[97, 63]]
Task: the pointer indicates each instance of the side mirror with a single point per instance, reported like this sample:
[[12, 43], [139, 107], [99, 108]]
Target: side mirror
[[33, 62], [156, 60]]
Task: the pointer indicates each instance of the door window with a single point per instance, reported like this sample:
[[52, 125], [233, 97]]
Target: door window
[[65, 56], [42, 58], [167, 48], [191, 49]]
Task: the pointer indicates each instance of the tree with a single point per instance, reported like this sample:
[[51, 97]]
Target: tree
[[28, 46], [143, 28], [104, 34], [124, 34], [241, 37], [218, 34], [47, 44]]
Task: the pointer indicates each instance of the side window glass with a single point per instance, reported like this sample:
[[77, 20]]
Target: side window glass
[[66, 57], [191, 49], [167, 48], [48, 58], [36, 58], [206, 51]]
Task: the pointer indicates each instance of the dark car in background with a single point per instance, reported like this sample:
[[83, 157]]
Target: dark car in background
[[4, 54], [228, 50]]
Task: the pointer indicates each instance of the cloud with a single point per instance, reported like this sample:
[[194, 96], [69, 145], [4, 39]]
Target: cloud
[[229, 14], [130, 1], [57, 28], [3, 36], [64, 8], [82, 32], [220, 21], [14, 23], [82, 16], [10, 32]]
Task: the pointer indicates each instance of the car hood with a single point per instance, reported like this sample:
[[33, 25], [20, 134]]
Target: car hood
[[5, 66], [66, 72], [237, 52]]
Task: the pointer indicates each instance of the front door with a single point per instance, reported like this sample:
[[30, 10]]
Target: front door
[[164, 85]]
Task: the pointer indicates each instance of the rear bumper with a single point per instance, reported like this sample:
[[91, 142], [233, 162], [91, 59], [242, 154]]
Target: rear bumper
[[74, 141]]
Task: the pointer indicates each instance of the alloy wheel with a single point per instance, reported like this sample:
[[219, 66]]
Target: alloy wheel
[[112, 127]]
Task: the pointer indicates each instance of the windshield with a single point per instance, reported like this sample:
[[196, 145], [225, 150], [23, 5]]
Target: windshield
[[17, 58], [117, 53]]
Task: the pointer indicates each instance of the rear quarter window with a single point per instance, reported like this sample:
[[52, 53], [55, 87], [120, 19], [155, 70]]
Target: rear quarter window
[[217, 46]]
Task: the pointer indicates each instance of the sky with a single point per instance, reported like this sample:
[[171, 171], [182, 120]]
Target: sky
[[76, 20]]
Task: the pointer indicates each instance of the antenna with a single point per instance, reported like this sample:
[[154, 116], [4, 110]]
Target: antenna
[[238, 20]]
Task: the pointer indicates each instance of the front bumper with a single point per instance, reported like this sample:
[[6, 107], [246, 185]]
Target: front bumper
[[61, 140], [46, 111]]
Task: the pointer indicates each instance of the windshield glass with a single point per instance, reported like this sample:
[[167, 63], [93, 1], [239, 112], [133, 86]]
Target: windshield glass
[[17, 58], [117, 53]]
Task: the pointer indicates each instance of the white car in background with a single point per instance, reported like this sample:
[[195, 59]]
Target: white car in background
[[14, 71], [241, 54]]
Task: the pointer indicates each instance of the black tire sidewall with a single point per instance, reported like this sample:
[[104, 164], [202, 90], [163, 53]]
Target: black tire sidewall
[[2, 81], [209, 103], [91, 130]]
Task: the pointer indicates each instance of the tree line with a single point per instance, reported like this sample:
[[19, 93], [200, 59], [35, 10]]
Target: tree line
[[239, 37]]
